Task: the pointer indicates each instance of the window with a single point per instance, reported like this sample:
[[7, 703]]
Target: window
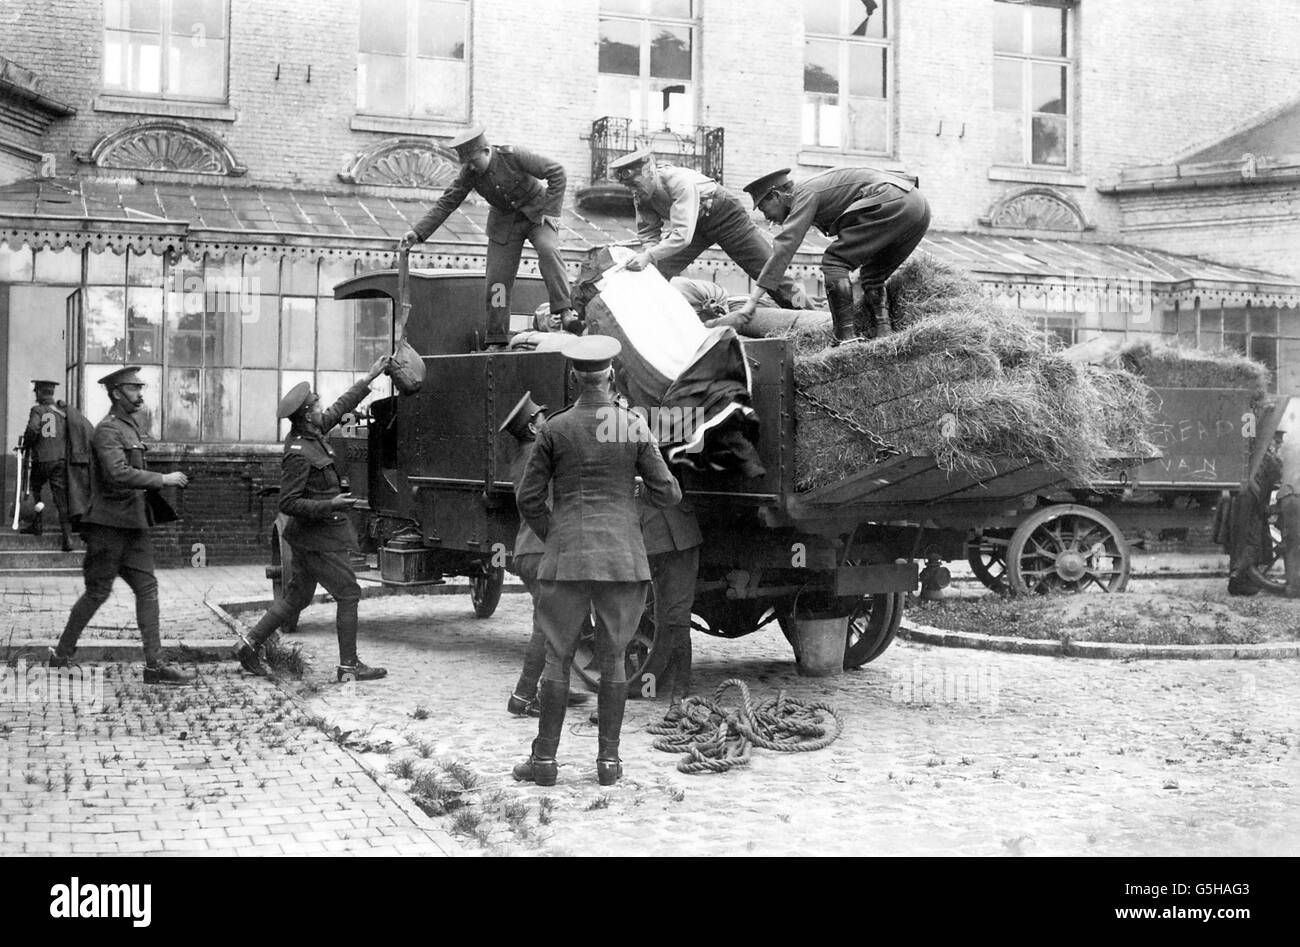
[[221, 339], [172, 49], [647, 62], [846, 75], [1031, 82], [411, 59]]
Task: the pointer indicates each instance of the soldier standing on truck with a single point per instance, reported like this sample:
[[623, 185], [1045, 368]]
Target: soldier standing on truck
[[595, 557], [46, 439], [876, 220], [526, 193], [680, 213], [319, 530]]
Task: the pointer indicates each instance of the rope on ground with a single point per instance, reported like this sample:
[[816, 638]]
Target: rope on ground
[[716, 739]]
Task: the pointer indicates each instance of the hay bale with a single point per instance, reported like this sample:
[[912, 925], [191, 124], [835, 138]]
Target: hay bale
[[1169, 365], [924, 288]]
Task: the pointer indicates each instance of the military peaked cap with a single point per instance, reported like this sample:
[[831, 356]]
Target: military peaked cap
[[123, 376], [759, 188], [293, 400], [516, 422], [593, 353], [468, 142]]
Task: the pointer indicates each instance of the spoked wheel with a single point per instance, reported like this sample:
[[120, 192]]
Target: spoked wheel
[[986, 552], [870, 628], [644, 661], [1270, 572], [1067, 548], [485, 590]]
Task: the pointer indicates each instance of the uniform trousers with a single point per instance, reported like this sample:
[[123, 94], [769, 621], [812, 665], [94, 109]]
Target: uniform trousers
[[728, 226], [331, 569], [112, 552], [561, 610], [877, 241], [54, 473], [1289, 514], [535, 659], [503, 266]]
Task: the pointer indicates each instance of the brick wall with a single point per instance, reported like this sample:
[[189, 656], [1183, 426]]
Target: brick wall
[[220, 509], [1154, 80]]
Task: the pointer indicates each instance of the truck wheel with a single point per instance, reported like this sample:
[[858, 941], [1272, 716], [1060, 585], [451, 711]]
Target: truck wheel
[[869, 629], [644, 662], [485, 590], [278, 571], [1067, 548]]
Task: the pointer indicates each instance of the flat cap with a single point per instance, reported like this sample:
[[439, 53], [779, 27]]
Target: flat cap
[[760, 187], [44, 383], [593, 353], [123, 376], [470, 141], [516, 422], [630, 162], [293, 400]]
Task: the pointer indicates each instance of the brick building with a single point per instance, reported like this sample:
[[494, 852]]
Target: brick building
[[182, 182]]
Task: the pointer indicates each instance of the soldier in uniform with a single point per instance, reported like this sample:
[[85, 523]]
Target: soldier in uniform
[[1288, 507], [116, 528], [595, 557], [524, 421], [672, 544], [876, 220], [526, 193], [319, 531], [46, 439], [680, 213]]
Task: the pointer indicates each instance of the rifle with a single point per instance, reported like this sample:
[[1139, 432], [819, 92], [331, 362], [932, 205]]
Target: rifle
[[24, 482]]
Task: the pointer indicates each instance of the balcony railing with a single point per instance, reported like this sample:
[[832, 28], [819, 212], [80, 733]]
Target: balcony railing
[[692, 146]]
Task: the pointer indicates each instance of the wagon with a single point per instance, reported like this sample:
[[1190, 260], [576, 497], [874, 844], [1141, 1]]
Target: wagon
[[1079, 538], [438, 499]]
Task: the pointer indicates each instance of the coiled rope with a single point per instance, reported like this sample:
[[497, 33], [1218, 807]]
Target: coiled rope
[[715, 738]]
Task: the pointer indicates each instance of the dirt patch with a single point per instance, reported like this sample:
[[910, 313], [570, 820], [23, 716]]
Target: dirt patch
[[1152, 612]]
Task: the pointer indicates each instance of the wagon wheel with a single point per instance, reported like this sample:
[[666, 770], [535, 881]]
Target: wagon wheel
[[1067, 548], [485, 590], [869, 629], [645, 659], [1269, 573], [986, 552]]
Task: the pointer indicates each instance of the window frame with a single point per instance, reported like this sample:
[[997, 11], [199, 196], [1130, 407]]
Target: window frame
[[645, 20], [411, 58], [1027, 61], [165, 37], [846, 43]]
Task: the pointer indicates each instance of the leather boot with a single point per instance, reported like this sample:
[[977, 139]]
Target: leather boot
[[540, 767], [350, 666], [839, 295], [610, 702], [874, 316], [36, 527]]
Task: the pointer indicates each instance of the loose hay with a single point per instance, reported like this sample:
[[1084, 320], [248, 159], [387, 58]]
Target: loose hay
[[1167, 365], [966, 381]]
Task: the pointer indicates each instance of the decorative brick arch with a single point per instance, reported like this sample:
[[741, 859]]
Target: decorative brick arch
[[166, 145], [402, 162], [1036, 208]]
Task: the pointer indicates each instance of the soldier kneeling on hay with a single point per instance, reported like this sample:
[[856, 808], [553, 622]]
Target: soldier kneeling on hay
[[876, 220]]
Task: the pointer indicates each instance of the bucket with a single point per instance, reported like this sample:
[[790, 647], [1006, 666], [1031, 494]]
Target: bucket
[[820, 640]]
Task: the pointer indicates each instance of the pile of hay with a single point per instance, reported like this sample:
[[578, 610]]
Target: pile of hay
[[965, 381], [1167, 365]]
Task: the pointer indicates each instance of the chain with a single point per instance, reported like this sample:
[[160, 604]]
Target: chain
[[883, 448]]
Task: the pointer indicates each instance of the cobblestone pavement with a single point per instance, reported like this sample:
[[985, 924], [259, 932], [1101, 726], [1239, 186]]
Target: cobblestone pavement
[[944, 751], [229, 766]]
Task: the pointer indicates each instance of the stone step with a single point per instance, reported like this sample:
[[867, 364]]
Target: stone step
[[12, 541], [47, 561]]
